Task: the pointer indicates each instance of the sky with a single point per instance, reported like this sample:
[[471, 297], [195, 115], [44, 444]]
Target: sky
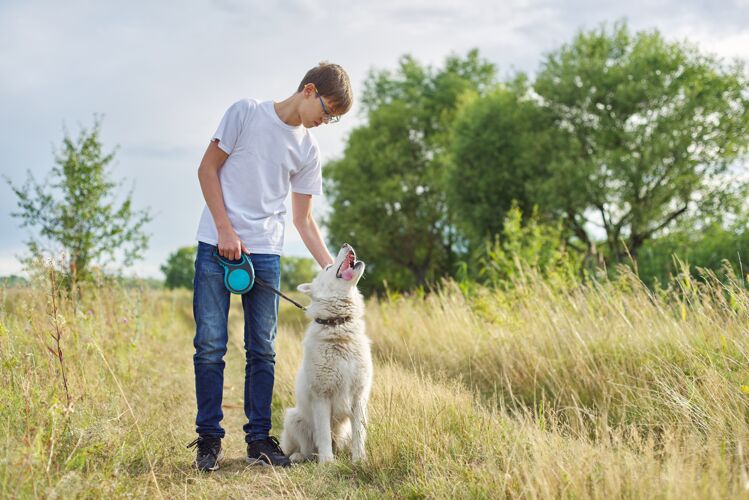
[[162, 73]]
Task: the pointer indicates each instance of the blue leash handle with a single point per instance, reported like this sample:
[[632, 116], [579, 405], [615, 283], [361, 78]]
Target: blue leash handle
[[239, 277]]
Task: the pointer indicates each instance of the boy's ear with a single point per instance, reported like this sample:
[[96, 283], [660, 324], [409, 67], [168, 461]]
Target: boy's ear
[[305, 288]]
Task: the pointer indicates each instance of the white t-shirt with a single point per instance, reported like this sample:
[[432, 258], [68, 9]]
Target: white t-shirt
[[266, 158]]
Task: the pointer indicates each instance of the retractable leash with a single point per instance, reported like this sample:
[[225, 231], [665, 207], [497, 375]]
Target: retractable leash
[[239, 277]]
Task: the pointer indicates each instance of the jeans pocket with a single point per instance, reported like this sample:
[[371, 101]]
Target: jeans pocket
[[205, 261]]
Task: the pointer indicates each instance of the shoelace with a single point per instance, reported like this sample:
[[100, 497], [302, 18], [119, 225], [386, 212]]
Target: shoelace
[[276, 445], [204, 446], [270, 445]]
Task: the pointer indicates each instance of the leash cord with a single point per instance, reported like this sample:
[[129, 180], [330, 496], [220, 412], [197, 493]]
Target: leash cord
[[268, 287]]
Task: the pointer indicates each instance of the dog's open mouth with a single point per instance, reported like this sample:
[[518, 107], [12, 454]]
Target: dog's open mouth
[[346, 269]]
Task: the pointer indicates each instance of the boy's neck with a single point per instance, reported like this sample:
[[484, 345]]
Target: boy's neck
[[287, 110]]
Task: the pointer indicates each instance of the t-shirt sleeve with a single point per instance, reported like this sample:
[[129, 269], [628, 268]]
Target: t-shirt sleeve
[[232, 124], [308, 179]]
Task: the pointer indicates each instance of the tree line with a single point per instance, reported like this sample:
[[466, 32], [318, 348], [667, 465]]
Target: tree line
[[619, 137]]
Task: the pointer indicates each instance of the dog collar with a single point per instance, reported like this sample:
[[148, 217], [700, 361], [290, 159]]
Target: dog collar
[[333, 321]]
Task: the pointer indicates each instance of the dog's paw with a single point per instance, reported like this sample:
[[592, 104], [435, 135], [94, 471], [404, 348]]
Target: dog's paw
[[358, 457], [325, 458], [297, 457]]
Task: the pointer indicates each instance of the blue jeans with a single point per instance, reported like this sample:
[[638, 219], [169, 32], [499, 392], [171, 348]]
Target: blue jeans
[[211, 310]]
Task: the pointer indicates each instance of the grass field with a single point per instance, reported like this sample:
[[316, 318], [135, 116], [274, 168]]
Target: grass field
[[604, 391]]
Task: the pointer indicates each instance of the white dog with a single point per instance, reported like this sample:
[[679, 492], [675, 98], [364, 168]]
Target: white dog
[[333, 383]]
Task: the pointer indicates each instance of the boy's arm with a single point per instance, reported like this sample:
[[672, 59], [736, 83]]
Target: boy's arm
[[301, 208], [229, 244]]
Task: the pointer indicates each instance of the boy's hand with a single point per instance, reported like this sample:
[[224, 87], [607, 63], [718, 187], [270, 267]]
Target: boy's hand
[[229, 245]]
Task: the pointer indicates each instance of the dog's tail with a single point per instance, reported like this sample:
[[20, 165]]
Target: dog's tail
[[341, 433], [289, 442]]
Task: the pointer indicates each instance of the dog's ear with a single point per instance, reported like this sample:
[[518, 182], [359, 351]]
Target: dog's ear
[[305, 288]]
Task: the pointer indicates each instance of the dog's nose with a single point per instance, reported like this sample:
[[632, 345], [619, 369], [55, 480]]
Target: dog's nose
[[344, 245]]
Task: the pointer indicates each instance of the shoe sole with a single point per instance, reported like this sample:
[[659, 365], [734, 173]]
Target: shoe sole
[[215, 467], [259, 462]]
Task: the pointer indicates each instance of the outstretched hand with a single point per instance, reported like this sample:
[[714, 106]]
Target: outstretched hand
[[230, 246]]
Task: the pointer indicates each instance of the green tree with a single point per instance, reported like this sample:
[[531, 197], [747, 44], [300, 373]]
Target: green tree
[[652, 129], [501, 143], [179, 269], [388, 191], [297, 270], [75, 209]]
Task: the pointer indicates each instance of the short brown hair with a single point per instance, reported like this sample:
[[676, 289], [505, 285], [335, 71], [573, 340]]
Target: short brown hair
[[332, 82]]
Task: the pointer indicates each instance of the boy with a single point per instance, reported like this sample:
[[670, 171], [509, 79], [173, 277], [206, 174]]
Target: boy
[[259, 152]]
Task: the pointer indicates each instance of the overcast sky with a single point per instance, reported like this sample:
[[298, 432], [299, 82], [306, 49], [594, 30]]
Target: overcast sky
[[163, 73]]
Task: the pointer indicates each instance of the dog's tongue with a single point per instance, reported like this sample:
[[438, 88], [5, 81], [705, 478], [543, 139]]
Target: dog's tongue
[[348, 274]]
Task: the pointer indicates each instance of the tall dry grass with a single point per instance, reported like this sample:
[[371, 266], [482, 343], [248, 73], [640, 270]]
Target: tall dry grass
[[660, 379], [603, 390]]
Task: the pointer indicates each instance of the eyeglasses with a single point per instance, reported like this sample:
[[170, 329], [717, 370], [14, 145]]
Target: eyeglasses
[[328, 116]]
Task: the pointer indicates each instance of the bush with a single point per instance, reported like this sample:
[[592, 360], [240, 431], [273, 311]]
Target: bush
[[179, 269], [522, 246], [708, 249]]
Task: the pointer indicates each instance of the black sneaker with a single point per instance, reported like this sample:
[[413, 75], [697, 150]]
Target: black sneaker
[[209, 453], [266, 452]]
